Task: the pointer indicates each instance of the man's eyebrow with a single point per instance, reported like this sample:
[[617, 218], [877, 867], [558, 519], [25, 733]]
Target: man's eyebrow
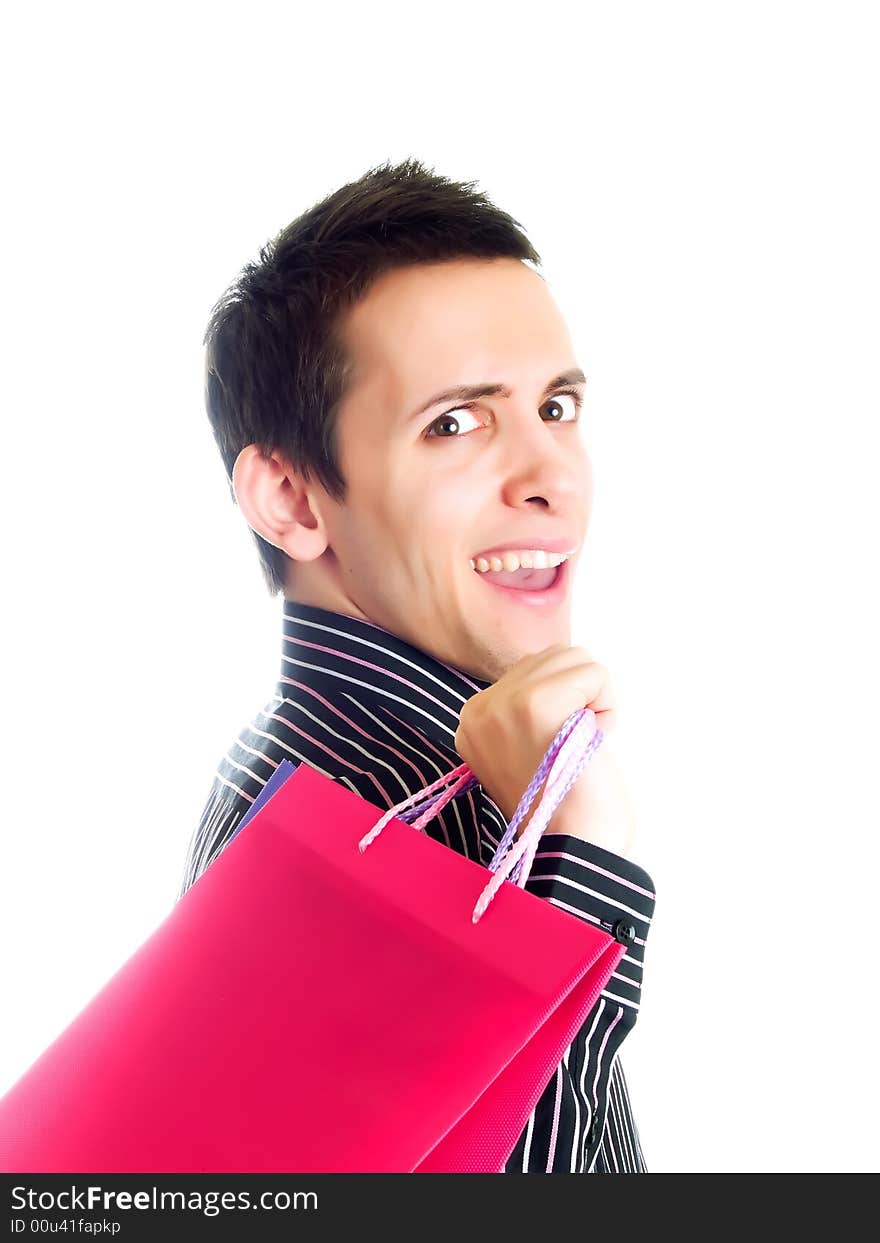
[[471, 392]]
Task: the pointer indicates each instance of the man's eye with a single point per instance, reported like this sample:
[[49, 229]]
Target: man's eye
[[445, 420], [451, 423], [576, 401]]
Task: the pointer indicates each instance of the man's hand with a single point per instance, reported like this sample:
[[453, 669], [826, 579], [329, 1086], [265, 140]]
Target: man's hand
[[504, 731]]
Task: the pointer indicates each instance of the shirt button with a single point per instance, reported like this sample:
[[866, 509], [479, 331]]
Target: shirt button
[[624, 932]]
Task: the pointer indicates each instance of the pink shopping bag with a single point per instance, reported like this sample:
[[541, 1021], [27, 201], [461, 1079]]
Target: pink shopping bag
[[335, 993]]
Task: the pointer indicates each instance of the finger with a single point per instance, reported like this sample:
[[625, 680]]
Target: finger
[[556, 656], [531, 659], [593, 684]]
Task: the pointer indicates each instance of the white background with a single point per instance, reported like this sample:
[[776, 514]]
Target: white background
[[701, 181]]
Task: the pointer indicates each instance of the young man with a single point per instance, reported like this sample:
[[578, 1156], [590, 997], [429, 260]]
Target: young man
[[395, 397]]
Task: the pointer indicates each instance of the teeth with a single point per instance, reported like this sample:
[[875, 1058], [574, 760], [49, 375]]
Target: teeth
[[527, 558]]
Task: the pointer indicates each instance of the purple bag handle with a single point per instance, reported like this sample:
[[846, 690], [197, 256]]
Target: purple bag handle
[[565, 758]]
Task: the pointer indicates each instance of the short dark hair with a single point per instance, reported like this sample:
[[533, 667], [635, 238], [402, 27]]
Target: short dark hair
[[275, 367]]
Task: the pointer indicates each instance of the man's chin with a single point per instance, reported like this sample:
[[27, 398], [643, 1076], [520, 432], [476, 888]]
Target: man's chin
[[494, 660]]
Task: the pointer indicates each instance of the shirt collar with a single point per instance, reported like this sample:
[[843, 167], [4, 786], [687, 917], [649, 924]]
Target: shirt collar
[[337, 654]]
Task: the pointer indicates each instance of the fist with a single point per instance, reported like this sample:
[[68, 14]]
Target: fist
[[504, 731]]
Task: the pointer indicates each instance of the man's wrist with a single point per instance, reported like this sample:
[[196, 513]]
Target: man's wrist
[[613, 835], [597, 808]]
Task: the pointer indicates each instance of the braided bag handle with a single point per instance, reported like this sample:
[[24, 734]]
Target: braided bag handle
[[565, 758]]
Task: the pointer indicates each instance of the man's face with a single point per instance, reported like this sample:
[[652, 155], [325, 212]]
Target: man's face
[[426, 495]]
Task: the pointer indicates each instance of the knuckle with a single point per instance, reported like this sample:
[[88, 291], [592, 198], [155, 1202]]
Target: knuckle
[[520, 703]]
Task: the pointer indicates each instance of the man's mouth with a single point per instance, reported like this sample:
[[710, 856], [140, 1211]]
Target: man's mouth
[[533, 576], [531, 569]]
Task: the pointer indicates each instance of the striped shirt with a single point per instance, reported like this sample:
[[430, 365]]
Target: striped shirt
[[378, 715]]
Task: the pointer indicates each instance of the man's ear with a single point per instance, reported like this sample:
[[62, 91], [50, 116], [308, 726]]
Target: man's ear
[[278, 505]]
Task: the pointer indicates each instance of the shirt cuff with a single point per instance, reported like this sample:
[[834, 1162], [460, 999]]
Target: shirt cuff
[[605, 889]]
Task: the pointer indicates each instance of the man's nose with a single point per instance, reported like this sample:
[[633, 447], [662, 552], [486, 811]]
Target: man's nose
[[543, 460]]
